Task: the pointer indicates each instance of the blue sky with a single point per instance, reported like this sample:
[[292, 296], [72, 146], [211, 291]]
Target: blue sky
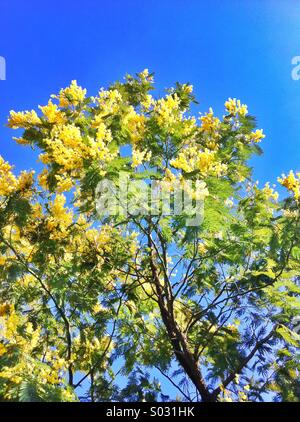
[[225, 48]]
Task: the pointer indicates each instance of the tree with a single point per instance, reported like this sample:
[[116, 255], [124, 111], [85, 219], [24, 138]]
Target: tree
[[88, 294]]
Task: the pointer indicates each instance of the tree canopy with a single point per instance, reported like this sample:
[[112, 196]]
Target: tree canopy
[[87, 298]]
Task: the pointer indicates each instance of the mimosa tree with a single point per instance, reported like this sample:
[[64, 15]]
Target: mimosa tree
[[86, 296]]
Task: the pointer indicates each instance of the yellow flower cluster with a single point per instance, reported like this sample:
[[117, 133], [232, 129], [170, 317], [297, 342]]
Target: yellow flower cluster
[[191, 159], [109, 102], [67, 148], [209, 123], [134, 123], [4, 309], [23, 119], [145, 76], [270, 192], [169, 181], [167, 111], [18, 333], [85, 352], [202, 249], [257, 136], [197, 192], [138, 157], [147, 102], [187, 88], [64, 184], [73, 95], [64, 147], [292, 183], [10, 321], [101, 239], [234, 106], [43, 179], [8, 181], [25, 181], [53, 114], [60, 218], [204, 160]]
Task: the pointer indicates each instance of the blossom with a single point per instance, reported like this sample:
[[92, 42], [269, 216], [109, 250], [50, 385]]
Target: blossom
[[192, 158], [72, 95], [25, 180], [109, 102], [138, 157], [52, 113], [8, 181], [64, 184], [291, 182], [145, 75], [23, 119], [60, 217], [134, 123], [202, 249], [257, 136], [234, 106], [270, 192], [210, 123], [148, 102], [167, 111]]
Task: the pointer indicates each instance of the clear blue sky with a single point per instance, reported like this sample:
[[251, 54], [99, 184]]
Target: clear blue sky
[[225, 48]]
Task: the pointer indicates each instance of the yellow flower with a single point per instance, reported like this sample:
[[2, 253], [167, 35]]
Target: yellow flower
[[109, 102], [144, 75], [242, 396], [210, 123], [27, 280], [205, 161], [64, 184], [2, 260], [292, 183], [191, 159], [187, 88], [72, 95], [97, 308], [4, 309], [135, 124], [148, 102], [25, 180], [52, 113], [257, 136], [270, 192], [43, 179], [202, 248], [234, 106], [23, 119], [8, 181], [3, 349], [37, 210], [167, 111], [138, 157], [60, 218], [22, 141]]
